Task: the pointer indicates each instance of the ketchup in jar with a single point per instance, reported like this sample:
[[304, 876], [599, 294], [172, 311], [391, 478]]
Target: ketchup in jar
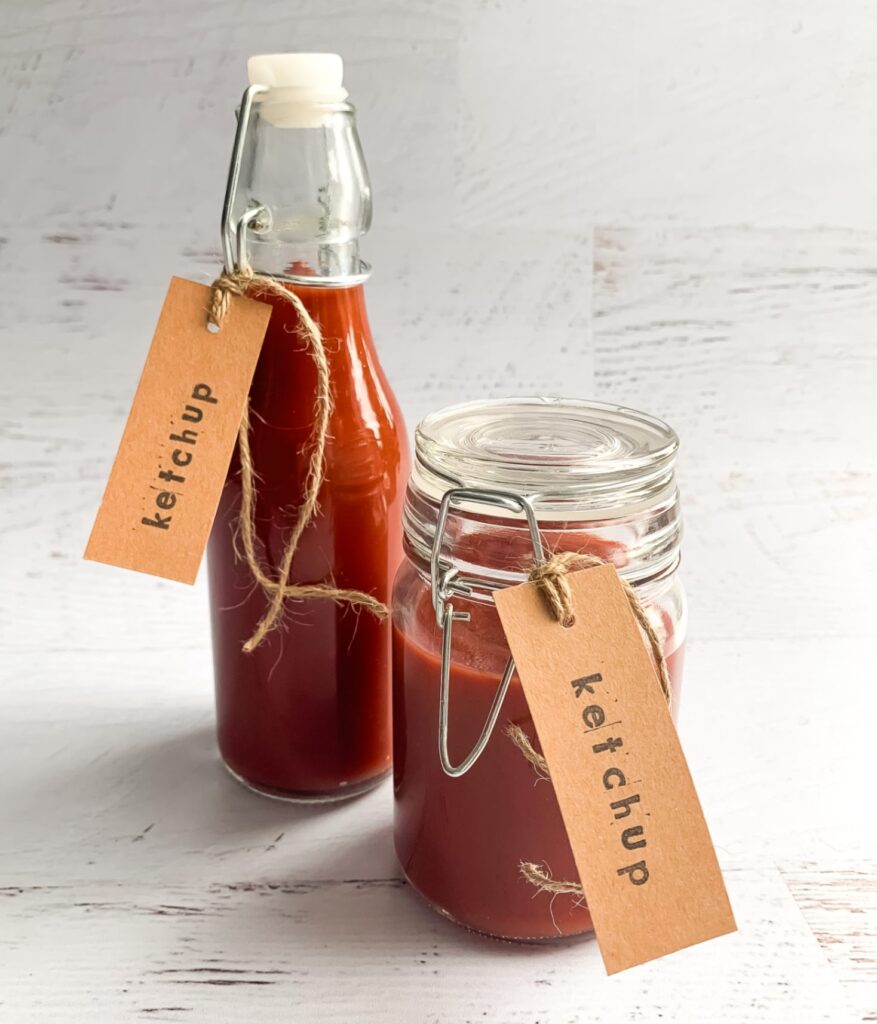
[[306, 715], [600, 480]]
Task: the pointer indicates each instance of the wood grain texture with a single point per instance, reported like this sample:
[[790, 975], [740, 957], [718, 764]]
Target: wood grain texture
[[367, 950], [758, 347], [554, 186], [696, 113], [840, 905]]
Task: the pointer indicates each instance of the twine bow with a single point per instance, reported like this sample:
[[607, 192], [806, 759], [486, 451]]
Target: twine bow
[[550, 575], [280, 589]]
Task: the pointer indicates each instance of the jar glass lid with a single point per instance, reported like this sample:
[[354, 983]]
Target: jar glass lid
[[552, 450]]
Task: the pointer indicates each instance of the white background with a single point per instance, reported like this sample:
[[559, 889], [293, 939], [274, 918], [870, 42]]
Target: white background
[[671, 205]]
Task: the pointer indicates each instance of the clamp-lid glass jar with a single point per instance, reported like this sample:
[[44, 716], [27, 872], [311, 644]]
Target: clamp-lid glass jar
[[491, 481]]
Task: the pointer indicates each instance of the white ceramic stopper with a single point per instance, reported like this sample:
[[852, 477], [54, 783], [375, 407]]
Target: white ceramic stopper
[[300, 84]]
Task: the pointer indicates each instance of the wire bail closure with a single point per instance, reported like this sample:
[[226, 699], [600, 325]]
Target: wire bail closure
[[446, 582], [234, 235]]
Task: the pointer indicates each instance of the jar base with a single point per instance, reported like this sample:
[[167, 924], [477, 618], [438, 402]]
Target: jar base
[[345, 792], [525, 940]]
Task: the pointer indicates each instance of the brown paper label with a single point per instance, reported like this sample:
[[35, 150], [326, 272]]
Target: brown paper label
[[641, 845], [164, 487]]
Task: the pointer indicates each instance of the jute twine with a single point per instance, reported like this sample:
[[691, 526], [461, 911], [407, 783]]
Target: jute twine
[[551, 578], [280, 589]]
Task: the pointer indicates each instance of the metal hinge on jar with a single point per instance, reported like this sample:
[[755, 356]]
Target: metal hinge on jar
[[446, 582]]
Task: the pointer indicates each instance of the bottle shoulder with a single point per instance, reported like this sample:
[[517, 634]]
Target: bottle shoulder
[[367, 437]]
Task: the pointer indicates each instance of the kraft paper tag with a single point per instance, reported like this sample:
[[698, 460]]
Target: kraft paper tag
[[164, 487], [641, 845]]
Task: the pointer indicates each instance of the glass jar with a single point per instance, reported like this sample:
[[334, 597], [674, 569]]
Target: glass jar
[[600, 480]]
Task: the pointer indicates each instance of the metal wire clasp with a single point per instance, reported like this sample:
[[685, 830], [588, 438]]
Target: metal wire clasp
[[446, 582], [234, 249]]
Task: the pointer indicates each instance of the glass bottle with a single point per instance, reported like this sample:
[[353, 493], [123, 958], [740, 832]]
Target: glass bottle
[[600, 480], [306, 715]]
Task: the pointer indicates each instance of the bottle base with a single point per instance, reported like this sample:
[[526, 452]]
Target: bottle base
[[344, 792], [540, 940]]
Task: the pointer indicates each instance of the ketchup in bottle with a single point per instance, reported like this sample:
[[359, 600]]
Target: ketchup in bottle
[[306, 714]]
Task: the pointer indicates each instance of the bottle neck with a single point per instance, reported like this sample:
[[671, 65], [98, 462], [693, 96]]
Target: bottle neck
[[302, 168]]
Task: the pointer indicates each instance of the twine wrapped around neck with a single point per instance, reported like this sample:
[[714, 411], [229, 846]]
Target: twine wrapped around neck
[[280, 589], [550, 575]]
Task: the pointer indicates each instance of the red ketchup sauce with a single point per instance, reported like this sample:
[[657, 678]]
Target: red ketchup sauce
[[460, 841], [307, 714]]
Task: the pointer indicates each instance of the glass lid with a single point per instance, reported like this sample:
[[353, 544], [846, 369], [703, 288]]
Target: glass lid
[[553, 450]]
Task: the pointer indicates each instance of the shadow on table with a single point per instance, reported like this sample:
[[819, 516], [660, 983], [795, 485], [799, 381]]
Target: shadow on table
[[154, 788], [330, 919], [184, 779], [274, 876]]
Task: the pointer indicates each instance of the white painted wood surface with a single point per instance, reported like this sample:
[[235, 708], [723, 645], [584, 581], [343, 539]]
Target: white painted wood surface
[[557, 191]]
